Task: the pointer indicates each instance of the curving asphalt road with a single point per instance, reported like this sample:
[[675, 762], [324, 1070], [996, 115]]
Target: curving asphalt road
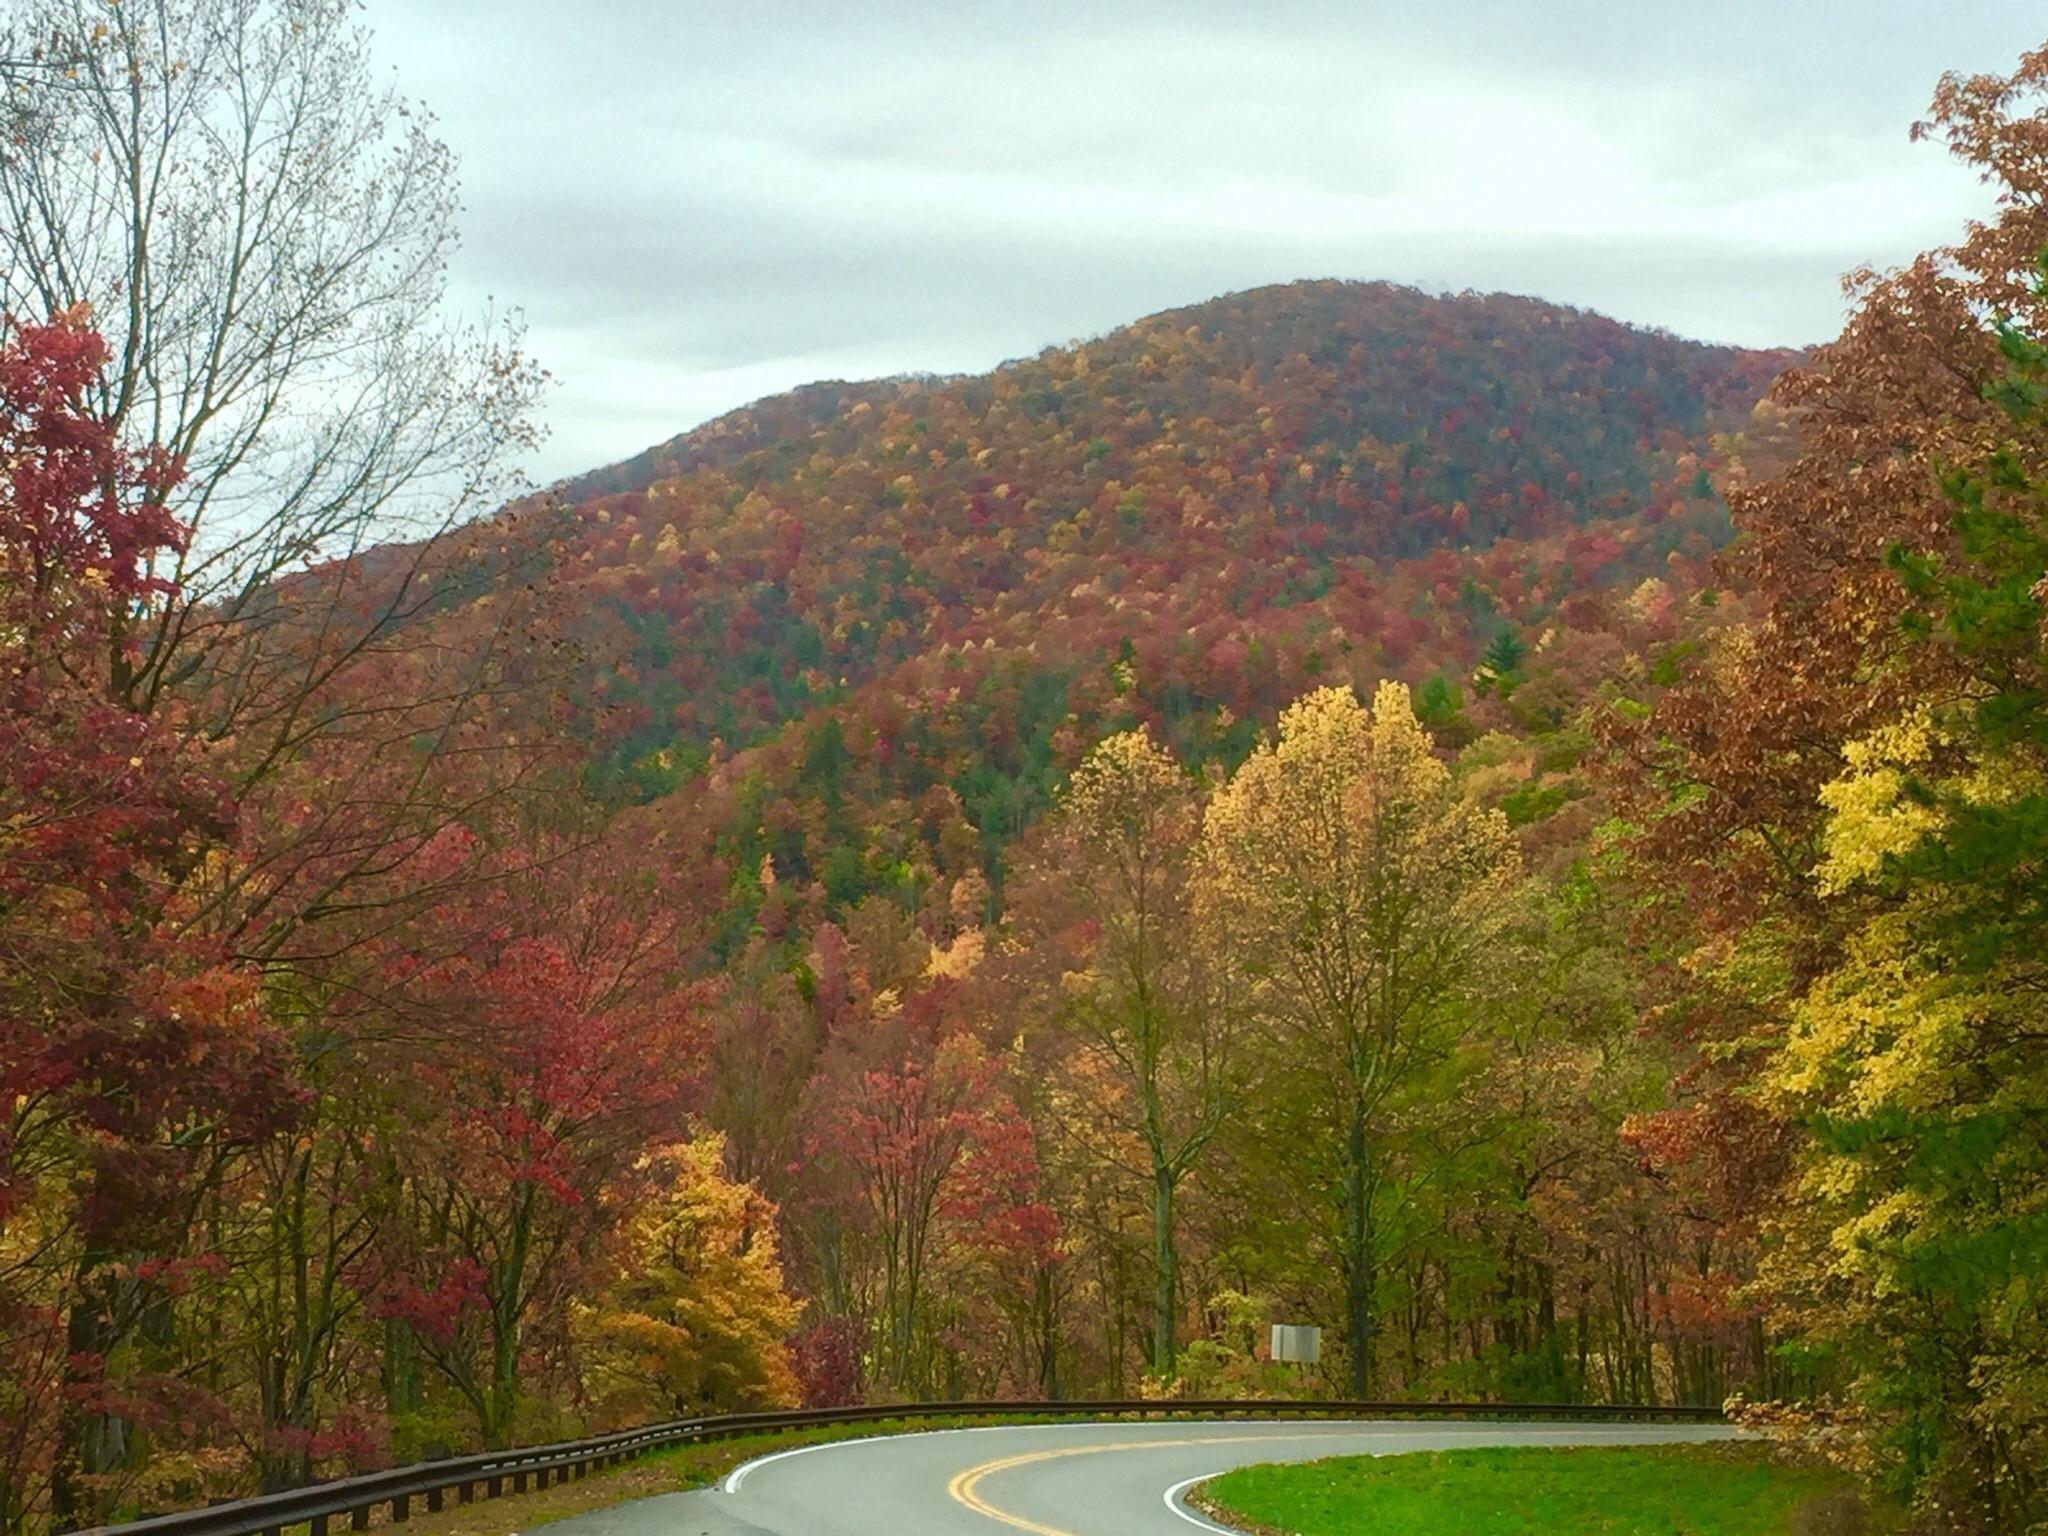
[[1047, 1479]]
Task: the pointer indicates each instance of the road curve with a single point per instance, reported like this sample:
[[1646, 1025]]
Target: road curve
[[1114, 1479]]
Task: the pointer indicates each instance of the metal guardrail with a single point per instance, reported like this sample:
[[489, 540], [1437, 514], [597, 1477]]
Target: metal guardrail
[[488, 1474]]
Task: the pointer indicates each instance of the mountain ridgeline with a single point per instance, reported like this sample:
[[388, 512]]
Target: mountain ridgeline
[[890, 616]]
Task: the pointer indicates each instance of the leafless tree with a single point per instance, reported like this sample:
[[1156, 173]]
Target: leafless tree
[[262, 232]]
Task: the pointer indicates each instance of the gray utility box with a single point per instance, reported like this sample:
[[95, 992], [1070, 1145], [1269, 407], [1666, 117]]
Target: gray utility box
[[1297, 1343]]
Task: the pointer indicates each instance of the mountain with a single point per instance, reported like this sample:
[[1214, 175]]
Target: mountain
[[883, 619]]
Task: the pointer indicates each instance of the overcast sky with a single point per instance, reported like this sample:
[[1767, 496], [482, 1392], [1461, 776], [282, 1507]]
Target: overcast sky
[[697, 204]]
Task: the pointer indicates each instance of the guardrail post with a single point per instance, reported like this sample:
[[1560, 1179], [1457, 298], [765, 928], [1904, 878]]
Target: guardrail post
[[359, 1518], [465, 1493], [317, 1526], [401, 1508], [519, 1482], [433, 1501]]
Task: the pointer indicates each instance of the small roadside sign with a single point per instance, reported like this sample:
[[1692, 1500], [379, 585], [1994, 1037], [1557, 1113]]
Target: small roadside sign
[[1297, 1343]]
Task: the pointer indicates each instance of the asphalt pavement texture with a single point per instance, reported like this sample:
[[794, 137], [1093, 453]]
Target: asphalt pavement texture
[[1115, 1479]]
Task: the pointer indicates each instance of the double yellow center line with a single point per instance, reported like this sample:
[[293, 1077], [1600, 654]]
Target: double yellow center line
[[965, 1486]]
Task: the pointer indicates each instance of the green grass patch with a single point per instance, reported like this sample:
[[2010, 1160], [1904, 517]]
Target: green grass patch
[[1719, 1489]]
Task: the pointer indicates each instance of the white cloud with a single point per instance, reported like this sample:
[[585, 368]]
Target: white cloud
[[699, 203]]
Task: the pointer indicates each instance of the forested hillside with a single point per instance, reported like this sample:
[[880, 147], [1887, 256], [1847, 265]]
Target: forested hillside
[[923, 599]]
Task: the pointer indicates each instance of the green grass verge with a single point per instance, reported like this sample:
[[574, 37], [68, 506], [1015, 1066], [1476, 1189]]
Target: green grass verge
[[1717, 1489]]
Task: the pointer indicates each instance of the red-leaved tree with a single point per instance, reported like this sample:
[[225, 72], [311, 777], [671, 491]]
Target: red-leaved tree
[[133, 1059]]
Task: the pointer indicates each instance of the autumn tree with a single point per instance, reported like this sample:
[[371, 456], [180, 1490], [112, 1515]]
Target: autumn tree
[[134, 1060], [1918, 1230], [1361, 893], [694, 1318], [914, 1136], [1726, 773], [559, 1045], [1141, 995]]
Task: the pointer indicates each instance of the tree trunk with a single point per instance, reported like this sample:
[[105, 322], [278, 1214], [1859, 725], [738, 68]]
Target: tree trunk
[[504, 1393], [1361, 1323], [402, 1392], [1048, 1318], [88, 1442], [1165, 1269], [508, 1307]]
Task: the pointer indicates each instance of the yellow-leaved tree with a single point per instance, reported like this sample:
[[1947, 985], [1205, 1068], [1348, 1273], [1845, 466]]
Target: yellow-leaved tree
[[1361, 894], [1913, 1242], [696, 1319], [1154, 1012]]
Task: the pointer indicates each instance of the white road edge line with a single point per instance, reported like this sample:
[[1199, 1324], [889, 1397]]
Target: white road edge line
[[738, 1474], [1174, 1504]]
